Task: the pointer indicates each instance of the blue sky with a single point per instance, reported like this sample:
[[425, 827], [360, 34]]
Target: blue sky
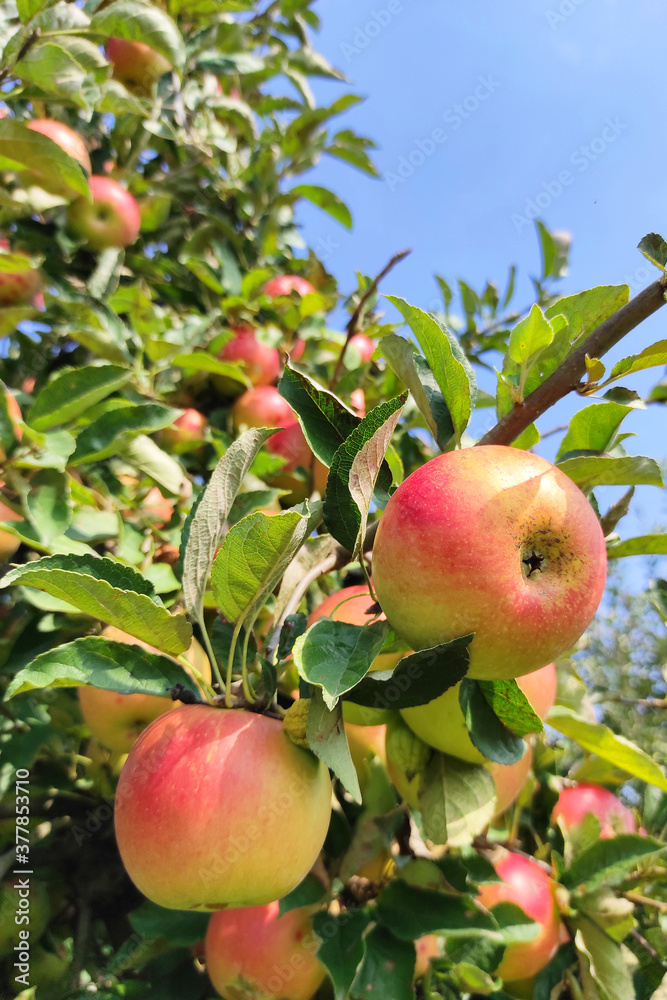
[[523, 94]]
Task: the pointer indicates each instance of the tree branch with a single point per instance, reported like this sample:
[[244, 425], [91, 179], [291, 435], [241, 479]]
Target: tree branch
[[567, 377]]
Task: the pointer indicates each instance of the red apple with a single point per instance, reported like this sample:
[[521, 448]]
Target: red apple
[[117, 720], [528, 885], [262, 407], [364, 346], [358, 402], [575, 804], [111, 219], [189, 429], [285, 284], [157, 508], [136, 65], [493, 541], [218, 808], [509, 780], [68, 141], [19, 288], [254, 952], [261, 363], [351, 604], [427, 947], [291, 445], [296, 349]]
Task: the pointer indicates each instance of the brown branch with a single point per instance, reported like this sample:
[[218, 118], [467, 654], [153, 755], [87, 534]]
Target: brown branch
[[352, 326], [567, 377]]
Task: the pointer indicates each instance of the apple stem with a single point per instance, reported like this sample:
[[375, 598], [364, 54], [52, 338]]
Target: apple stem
[[204, 686], [230, 663]]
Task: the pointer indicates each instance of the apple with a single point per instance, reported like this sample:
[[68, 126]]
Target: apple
[[8, 543], [262, 406], [111, 219], [189, 429], [378, 868], [351, 604], [320, 476], [116, 720], [527, 885], [157, 508], [261, 363], [136, 65], [576, 803], [441, 723], [509, 780], [296, 349], [364, 741], [68, 141], [494, 541], [291, 445], [254, 952], [358, 402], [15, 898], [218, 808], [47, 970], [19, 288], [427, 947], [285, 284], [364, 346]]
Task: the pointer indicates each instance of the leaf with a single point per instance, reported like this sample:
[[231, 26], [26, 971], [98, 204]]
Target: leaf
[[336, 655], [414, 372], [73, 392], [593, 428], [207, 528], [114, 430], [530, 336], [651, 357], [605, 960], [457, 800], [49, 505], [387, 969], [654, 249], [101, 663], [587, 310], [200, 361], [307, 893], [598, 739], [156, 463], [325, 420], [417, 679], [410, 912], [446, 360], [356, 467], [23, 149], [141, 22], [106, 590], [28, 8], [180, 928], [488, 734], [512, 706], [609, 861], [326, 200], [8, 440], [326, 737], [342, 948], [643, 545], [591, 471]]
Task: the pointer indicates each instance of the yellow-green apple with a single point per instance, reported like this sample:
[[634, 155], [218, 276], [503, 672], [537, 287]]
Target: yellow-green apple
[[427, 947], [261, 362], [19, 288], [494, 541], [262, 406], [110, 219], [24, 912], [69, 141], [576, 803], [255, 953], [116, 720], [364, 741], [527, 885], [285, 284], [364, 345], [136, 65], [16, 417], [188, 430], [291, 445], [218, 808], [442, 725]]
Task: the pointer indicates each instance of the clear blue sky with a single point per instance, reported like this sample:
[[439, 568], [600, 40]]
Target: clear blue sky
[[542, 87]]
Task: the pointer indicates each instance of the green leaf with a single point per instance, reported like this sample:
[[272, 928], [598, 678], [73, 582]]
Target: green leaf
[[326, 200], [530, 336], [180, 928], [343, 946], [356, 467], [23, 149], [511, 706], [325, 420], [651, 357], [605, 962], [28, 8], [587, 310], [336, 655], [8, 440], [200, 361], [307, 893], [591, 471], [156, 463], [387, 969], [446, 360], [598, 739], [609, 861], [489, 735], [114, 430], [410, 912], [48, 503], [326, 737], [141, 22], [593, 428], [654, 249], [101, 663], [643, 545], [416, 375], [60, 69], [106, 590], [73, 392], [457, 800]]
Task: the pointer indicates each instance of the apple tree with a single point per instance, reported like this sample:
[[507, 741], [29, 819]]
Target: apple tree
[[298, 695]]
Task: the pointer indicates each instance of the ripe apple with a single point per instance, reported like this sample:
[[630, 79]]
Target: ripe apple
[[509, 779], [111, 219], [442, 725], [364, 346], [364, 741], [528, 885], [157, 508], [189, 429], [296, 349], [495, 541], [8, 543], [575, 804], [427, 947], [260, 362], [254, 952], [68, 141], [19, 288], [15, 897], [136, 65], [358, 402], [291, 445], [262, 406], [285, 284], [116, 720], [218, 808]]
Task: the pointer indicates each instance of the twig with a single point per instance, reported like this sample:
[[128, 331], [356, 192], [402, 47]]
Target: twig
[[356, 315], [567, 376], [326, 566], [635, 897]]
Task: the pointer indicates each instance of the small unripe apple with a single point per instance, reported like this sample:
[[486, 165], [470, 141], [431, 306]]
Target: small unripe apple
[[262, 407], [261, 363], [364, 345], [111, 219], [575, 804], [254, 952], [285, 284], [15, 898], [527, 885], [19, 288], [136, 65], [188, 429], [218, 808], [494, 541], [291, 445], [69, 141]]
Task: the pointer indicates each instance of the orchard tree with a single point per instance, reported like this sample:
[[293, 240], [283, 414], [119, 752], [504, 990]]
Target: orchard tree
[[279, 636]]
